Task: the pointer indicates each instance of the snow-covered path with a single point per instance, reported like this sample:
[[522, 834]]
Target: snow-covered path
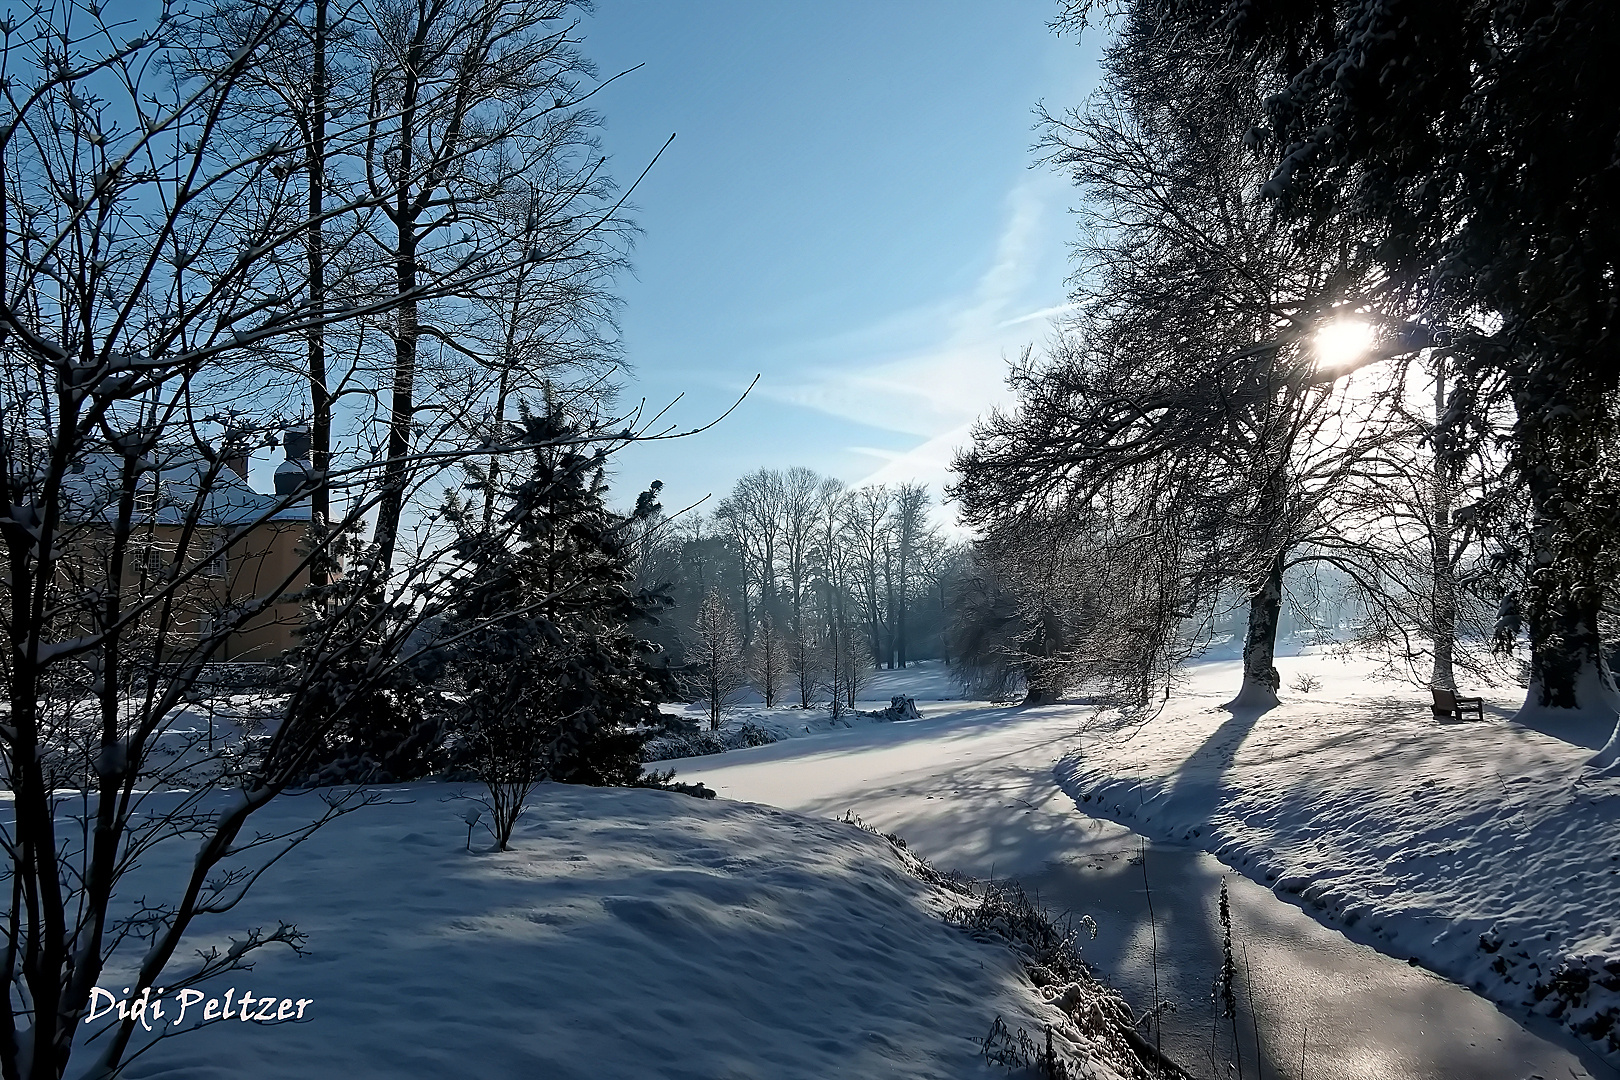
[[972, 786]]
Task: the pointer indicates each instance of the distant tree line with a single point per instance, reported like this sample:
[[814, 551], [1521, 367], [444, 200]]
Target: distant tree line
[[816, 583]]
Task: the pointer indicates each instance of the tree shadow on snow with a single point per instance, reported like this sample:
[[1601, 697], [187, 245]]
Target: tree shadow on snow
[[1201, 773], [1579, 729]]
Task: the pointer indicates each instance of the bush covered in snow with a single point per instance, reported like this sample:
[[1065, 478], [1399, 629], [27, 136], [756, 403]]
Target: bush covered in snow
[[698, 743]]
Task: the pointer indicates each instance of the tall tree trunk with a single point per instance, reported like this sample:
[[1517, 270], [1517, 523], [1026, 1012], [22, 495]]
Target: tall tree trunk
[[402, 406], [1568, 669], [834, 642], [888, 588], [494, 473], [1260, 677], [904, 590], [1039, 671], [1559, 447], [320, 400], [873, 622]]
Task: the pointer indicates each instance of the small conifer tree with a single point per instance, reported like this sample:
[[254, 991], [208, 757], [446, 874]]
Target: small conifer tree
[[554, 682]]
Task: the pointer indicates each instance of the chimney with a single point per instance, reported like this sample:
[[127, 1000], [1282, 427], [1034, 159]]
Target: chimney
[[293, 473], [238, 464], [296, 441]]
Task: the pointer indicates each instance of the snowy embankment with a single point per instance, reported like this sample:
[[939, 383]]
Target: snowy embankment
[[627, 933], [1479, 850]]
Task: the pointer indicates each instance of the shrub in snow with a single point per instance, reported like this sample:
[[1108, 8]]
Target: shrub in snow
[[902, 707], [1583, 994], [1001, 912], [699, 743], [696, 744], [665, 781], [1051, 958], [748, 735]]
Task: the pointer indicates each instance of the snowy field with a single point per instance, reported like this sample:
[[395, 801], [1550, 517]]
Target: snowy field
[[1480, 850], [627, 933]]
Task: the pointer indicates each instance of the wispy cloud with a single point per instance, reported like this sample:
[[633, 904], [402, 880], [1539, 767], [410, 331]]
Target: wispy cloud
[[929, 372], [1044, 315]]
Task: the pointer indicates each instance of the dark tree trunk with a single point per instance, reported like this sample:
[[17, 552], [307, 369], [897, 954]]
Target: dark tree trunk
[[888, 585], [1040, 687], [320, 400], [402, 408], [1559, 449], [900, 598]]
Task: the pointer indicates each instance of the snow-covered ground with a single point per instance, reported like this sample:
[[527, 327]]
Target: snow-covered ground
[[1480, 850], [648, 933], [974, 785], [627, 933]]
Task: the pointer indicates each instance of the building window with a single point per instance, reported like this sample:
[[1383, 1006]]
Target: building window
[[218, 562], [153, 561]]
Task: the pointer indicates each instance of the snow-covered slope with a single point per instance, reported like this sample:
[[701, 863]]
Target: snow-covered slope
[[628, 933], [1481, 850]]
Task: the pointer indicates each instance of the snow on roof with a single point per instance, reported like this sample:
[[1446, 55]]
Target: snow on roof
[[92, 493]]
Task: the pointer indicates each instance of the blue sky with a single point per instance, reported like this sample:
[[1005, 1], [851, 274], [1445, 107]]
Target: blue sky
[[848, 209]]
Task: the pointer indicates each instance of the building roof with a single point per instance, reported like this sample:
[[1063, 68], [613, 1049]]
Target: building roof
[[92, 493]]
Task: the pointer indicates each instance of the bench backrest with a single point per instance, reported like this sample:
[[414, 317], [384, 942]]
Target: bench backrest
[[1444, 700]]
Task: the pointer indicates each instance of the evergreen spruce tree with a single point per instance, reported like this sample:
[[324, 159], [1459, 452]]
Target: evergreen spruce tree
[[553, 680]]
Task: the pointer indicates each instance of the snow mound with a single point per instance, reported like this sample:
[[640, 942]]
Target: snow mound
[[627, 932]]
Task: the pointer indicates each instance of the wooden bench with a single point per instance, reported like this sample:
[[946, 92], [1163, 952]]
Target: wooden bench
[[1448, 704]]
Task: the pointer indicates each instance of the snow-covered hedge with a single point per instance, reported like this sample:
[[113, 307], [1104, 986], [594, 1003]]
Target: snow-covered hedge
[[699, 743]]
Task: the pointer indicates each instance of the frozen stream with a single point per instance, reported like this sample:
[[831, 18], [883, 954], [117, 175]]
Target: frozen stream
[[971, 787]]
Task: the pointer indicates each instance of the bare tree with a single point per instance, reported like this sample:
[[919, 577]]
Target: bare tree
[[802, 496], [1194, 366], [1417, 521], [769, 660], [832, 560], [752, 514], [868, 524], [716, 648], [472, 104], [807, 664], [911, 534]]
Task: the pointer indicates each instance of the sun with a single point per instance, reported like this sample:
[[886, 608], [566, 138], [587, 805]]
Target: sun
[[1343, 342]]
